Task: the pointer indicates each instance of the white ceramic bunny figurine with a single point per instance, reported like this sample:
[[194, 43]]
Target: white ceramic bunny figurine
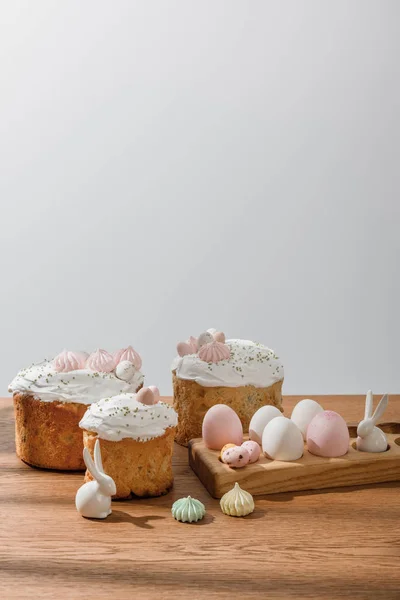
[[371, 438], [93, 499]]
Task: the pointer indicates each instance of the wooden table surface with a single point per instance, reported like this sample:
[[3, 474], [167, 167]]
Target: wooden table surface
[[330, 544]]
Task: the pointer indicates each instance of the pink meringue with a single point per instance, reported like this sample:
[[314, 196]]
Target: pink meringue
[[219, 336], [101, 361], [146, 396], [214, 352], [156, 393], [183, 348], [83, 356], [128, 354], [69, 361], [192, 342]]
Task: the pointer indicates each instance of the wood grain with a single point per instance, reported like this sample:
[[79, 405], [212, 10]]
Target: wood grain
[[307, 473], [336, 543]]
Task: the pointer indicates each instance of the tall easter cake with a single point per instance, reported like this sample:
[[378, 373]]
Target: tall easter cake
[[51, 397], [137, 438], [210, 370]]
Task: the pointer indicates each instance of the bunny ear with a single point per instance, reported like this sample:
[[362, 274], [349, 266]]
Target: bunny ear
[[380, 409], [90, 465], [97, 457], [369, 403]]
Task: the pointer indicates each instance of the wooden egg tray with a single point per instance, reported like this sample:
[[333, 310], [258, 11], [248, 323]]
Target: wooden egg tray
[[308, 473]]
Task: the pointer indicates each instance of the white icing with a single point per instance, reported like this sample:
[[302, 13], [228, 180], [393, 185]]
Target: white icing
[[177, 360], [123, 416], [249, 364], [82, 386]]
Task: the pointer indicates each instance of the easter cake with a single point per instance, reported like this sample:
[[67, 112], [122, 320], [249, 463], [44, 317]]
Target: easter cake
[[51, 397], [137, 439], [210, 370]]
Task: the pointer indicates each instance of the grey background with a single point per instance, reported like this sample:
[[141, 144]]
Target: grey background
[[168, 166]]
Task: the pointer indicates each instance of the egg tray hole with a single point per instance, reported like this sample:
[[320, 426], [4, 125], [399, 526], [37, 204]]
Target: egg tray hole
[[386, 428], [354, 445]]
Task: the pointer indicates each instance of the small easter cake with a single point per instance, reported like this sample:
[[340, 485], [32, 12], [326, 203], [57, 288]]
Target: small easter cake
[[210, 370], [137, 440], [51, 397]]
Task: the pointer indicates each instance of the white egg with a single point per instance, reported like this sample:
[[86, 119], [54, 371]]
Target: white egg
[[260, 419], [125, 370], [304, 412], [282, 440]]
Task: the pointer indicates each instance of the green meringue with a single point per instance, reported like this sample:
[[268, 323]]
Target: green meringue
[[188, 510]]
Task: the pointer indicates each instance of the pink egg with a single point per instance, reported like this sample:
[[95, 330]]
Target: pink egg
[[236, 457], [156, 393], [221, 426], [183, 348], [253, 449], [146, 396], [328, 435]]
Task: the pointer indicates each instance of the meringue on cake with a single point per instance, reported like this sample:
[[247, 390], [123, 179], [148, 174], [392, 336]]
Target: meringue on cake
[[210, 370], [51, 397], [137, 438]]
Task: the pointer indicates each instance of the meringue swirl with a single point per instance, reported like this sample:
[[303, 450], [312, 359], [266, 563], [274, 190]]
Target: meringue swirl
[[214, 352], [69, 361], [237, 502], [128, 354], [100, 360], [188, 510]]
